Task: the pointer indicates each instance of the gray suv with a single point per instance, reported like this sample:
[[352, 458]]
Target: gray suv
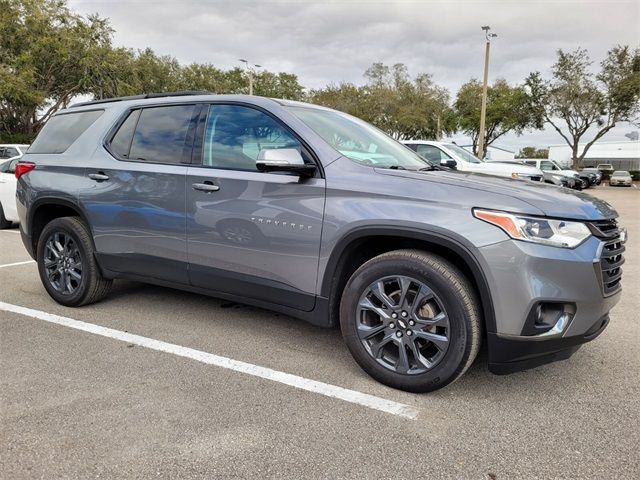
[[318, 215]]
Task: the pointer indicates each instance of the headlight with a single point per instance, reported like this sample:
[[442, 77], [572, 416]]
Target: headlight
[[557, 233], [557, 178]]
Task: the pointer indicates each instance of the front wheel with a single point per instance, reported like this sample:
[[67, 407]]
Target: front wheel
[[411, 320], [67, 265]]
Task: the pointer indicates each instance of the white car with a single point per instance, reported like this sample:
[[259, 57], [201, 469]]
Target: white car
[[620, 177], [8, 211], [454, 156], [12, 150], [550, 166]]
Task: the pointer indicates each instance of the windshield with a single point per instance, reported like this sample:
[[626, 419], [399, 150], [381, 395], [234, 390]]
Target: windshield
[[462, 153], [620, 173], [359, 141]]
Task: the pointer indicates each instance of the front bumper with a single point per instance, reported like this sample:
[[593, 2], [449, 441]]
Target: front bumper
[[523, 276]]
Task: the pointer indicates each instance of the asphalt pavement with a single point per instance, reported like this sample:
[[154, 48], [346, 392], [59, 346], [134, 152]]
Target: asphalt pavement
[[144, 384]]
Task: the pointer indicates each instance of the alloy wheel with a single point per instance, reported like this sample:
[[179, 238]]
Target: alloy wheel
[[63, 263], [403, 324]]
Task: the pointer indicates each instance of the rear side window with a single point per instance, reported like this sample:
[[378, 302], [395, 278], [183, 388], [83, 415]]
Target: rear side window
[[121, 142], [8, 152], [62, 130], [160, 134]]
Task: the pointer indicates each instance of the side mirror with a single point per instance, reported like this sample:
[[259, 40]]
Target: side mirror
[[283, 160], [450, 163]]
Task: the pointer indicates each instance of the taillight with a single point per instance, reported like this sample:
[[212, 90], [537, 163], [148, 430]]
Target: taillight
[[23, 167]]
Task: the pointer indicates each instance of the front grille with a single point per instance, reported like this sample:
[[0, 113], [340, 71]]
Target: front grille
[[611, 259]]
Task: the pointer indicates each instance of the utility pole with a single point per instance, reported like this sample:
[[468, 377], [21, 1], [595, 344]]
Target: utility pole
[[483, 109], [251, 70]]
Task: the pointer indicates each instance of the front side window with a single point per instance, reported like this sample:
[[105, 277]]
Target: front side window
[[234, 135], [547, 165], [462, 153], [161, 133], [357, 140], [62, 130], [432, 153]]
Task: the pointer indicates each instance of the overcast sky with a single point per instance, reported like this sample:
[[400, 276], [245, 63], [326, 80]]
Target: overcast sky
[[331, 41]]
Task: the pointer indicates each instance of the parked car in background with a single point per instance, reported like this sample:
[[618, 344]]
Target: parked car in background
[[546, 165], [550, 176], [8, 212], [620, 177], [456, 157], [596, 172], [8, 151], [605, 168]]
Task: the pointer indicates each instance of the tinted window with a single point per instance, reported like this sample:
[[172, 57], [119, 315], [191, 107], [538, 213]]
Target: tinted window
[[8, 152], [547, 165], [234, 135], [161, 133], [122, 139], [62, 130], [432, 153]]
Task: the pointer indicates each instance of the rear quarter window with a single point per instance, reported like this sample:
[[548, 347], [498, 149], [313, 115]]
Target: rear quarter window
[[62, 130]]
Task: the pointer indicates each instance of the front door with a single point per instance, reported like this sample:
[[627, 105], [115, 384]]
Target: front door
[[251, 233]]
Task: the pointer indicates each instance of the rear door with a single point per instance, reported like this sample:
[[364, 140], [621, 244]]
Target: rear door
[[251, 233], [136, 201]]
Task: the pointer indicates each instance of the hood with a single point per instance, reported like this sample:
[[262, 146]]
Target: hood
[[552, 200]]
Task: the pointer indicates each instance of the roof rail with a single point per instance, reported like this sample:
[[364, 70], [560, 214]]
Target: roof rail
[[143, 96]]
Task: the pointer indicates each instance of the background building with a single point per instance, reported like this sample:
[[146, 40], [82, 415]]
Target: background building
[[623, 155]]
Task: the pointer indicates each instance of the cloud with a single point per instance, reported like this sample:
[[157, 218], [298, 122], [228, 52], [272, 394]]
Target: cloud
[[331, 41]]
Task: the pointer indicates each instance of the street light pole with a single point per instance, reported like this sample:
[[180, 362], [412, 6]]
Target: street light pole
[[483, 108], [250, 68]]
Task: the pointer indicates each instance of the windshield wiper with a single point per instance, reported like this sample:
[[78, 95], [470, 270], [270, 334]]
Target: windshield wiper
[[431, 168]]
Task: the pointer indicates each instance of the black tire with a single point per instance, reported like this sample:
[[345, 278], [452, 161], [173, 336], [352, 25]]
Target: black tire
[[459, 302], [92, 286], [4, 223]]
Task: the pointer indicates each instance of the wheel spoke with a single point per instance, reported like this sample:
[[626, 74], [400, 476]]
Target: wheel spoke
[[418, 356], [440, 320], [405, 284], [440, 341], [75, 274], [367, 305], [377, 348], [378, 291], [365, 332], [52, 249], [424, 293], [402, 364]]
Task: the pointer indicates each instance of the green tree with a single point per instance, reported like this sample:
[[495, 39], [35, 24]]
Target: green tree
[[508, 110], [394, 102], [45, 52], [533, 152], [576, 99]]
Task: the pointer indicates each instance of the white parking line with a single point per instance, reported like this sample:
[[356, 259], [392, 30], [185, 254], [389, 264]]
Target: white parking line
[[333, 391], [16, 264]]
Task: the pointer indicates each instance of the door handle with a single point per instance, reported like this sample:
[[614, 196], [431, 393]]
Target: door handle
[[99, 177], [206, 187]]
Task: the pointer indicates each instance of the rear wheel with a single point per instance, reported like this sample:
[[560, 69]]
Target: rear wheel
[[67, 265], [411, 320]]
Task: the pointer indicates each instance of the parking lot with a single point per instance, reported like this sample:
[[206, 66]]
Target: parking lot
[[80, 400]]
